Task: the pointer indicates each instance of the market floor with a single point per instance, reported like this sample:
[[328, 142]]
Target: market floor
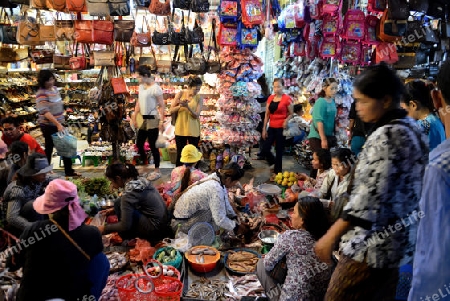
[[260, 170]]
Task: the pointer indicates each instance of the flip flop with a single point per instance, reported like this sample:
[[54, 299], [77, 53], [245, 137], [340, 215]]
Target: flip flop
[[154, 176]]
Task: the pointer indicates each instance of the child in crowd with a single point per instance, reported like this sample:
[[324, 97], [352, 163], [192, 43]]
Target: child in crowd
[[337, 180], [297, 126], [322, 162]]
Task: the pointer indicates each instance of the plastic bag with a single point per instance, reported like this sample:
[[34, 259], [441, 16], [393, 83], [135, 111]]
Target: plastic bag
[[65, 144], [181, 242], [98, 220], [161, 142]]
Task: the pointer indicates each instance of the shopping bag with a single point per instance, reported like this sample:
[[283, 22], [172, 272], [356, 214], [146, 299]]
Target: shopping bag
[[65, 144]]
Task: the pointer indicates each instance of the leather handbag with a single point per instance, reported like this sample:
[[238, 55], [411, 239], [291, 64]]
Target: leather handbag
[[46, 32], [123, 30], [163, 38], [8, 33], [196, 35], [178, 67], [28, 31], [213, 66], [182, 4], [119, 7], [200, 6], [61, 61], [42, 56], [78, 62], [279, 272], [104, 58], [64, 30], [164, 66], [149, 61], [97, 7], [103, 32], [58, 5], [160, 7], [142, 39], [8, 55], [118, 83], [83, 31], [39, 4], [78, 6], [195, 64]]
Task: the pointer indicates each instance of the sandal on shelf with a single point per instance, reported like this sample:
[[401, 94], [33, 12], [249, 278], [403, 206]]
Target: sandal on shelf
[[154, 176]]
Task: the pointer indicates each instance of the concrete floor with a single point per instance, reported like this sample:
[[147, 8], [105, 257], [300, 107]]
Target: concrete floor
[[260, 171]]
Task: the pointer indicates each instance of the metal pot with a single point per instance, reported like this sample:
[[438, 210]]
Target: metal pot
[[268, 237]]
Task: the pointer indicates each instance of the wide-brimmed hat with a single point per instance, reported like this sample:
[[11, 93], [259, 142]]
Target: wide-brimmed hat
[[59, 194], [190, 154], [36, 164]]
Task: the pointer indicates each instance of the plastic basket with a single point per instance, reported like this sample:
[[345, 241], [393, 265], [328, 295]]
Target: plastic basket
[[173, 155], [134, 287], [175, 263], [165, 154], [201, 234], [161, 295]]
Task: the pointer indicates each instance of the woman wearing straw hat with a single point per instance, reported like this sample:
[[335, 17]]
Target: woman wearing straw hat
[[31, 181], [185, 175], [61, 257]]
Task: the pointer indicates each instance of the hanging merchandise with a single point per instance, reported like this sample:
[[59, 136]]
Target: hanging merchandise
[[354, 25], [330, 25], [64, 29], [79, 6], [391, 30], [196, 35], [398, 9], [78, 62], [200, 6], [162, 38], [329, 47], [248, 37], [142, 39], [83, 31], [182, 4], [251, 13], [331, 6], [420, 6], [351, 52], [372, 23], [123, 30], [28, 31], [228, 34], [228, 11], [160, 7], [46, 32], [238, 108], [8, 32], [315, 9], [119, 7], [377, 6], [213, 66], [386, 52], [103, 32]]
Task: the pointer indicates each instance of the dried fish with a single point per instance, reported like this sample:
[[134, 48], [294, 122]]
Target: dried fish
[[242, 261]]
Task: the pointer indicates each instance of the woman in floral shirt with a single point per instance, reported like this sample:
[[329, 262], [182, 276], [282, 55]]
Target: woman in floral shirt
[[378, 226], [307, 278]]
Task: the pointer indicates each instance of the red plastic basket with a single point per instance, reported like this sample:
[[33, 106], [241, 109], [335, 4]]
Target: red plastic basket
[[161, 294], [134, 287]]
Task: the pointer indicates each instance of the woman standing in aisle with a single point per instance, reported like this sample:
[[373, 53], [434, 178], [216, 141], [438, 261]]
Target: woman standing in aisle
[[385, 191], [323, 119], [419, 105], [188, 105], [151, 107], [278, 113], [262, 100], [50, 106]]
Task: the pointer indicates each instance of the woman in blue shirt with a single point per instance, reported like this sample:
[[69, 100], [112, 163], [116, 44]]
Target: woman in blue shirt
[[417, 101]]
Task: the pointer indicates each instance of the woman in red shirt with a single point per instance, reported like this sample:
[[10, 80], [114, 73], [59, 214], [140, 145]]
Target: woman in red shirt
[[278, 112]]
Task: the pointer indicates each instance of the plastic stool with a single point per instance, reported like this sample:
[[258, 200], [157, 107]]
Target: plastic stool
[[73, 159], [93, 158]]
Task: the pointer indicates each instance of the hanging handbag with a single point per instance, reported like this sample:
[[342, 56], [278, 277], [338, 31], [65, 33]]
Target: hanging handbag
[[142, 39], [118, 83], [179, 38], [42, 56], [445, 24], [83, 31], [178, 67], [119, 7], [182, 4], [123, 30], [431, 35], [97, 7], [64, 30], [39, 4], [8, 33], [415, 29], [78, 6], [103, 32], [200, 6], [160, 7], [104, 58], [58, 5], [149, 61], [8, 55], [213, 66], [28, 31], [163, 38], [196, 35], [398, 9], [78, 62], [164, 65], [61, 62], [46, 32], [196, 64], [279, 271]]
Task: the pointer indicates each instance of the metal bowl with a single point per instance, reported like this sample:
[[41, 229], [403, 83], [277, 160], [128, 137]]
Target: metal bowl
[[268, 237]]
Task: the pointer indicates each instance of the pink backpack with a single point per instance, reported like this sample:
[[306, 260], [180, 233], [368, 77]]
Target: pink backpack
[[371, 30], [315, 9], [354, 25], [329, 47], [330, 6], [330, 25], [351, 52]]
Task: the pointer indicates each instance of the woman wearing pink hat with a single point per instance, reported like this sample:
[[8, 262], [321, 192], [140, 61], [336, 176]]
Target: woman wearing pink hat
[[61, 257]]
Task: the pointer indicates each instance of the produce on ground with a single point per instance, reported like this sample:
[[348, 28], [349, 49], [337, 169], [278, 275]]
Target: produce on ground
[[286, 178], [167, 255], [242, 261]]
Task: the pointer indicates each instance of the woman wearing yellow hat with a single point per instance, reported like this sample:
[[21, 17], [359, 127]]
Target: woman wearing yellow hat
[[186, 174]]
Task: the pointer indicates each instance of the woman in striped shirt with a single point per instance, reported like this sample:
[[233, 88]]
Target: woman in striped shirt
[[51, 116]]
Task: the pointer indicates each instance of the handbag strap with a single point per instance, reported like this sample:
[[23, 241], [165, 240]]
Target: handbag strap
[[70, 239], [212, 38]]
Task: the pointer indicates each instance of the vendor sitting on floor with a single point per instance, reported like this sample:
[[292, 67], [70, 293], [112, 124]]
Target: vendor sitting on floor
[[307, 278], [185, 175], [207, 201], [141, 209], [321, 161]]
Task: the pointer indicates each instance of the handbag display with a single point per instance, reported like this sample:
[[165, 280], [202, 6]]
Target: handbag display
[[179, 37], [103, 32], [164, 66], [196, 35], [78, 62], [196, 65], [119, 7], [142, 39], [46, 32], [160, 7], [58, 5], [8, 55], [104, 58], [28, 31], [182, 4], [97, 7], [200, 6], [123, 30], [64, 30], [149, 61], [118, 83], [163, 38], [213, 66], [83, 31], [178, 67], [78, 6], [42, 56], [279, 271], [61, 62], [8, 33], [39, 4]]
